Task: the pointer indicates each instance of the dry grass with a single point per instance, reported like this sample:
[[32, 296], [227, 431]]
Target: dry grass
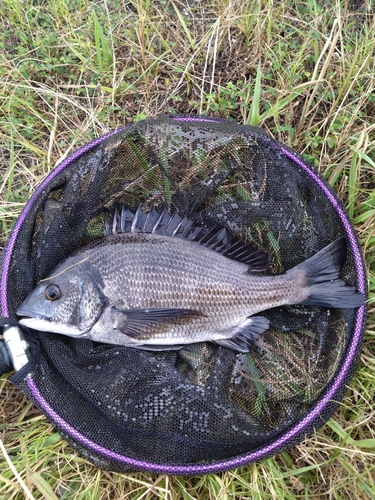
[[72, 70]]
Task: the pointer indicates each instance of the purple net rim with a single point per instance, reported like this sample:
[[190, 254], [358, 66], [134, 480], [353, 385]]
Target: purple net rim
[[231, 463]]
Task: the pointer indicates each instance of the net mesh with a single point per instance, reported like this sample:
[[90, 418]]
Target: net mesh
[[204, 402]]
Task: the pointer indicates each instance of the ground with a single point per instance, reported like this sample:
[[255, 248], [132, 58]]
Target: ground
[[71, 70]]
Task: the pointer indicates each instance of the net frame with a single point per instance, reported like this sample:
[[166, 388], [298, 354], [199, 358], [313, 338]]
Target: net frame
[[314, 418]]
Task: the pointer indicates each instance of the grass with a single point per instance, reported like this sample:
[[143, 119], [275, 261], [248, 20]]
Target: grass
[[71, 70]]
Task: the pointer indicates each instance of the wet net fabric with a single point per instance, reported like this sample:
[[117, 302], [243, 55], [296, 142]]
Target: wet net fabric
[[204, 402]]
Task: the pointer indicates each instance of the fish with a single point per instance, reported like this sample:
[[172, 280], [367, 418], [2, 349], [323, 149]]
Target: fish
[[157, 282]]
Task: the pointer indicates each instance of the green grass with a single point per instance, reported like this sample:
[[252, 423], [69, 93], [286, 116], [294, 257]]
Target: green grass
[[70, 70]]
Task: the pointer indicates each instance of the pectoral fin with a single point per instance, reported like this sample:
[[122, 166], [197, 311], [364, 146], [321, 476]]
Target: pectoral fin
[[144, 324]]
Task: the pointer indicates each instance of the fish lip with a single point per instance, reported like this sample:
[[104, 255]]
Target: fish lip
[[44, 324], [28, 315]]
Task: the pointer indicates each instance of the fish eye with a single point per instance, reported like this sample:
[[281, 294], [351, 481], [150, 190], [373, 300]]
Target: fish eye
[[52, 292]]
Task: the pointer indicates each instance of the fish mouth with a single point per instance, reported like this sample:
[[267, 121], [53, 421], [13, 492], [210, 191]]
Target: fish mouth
[[45, 324], [21, 311]]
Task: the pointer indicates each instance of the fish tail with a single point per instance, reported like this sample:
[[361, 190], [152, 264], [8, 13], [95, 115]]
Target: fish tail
[[324, 287]]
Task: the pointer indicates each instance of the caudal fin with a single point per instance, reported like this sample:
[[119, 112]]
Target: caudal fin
[[324, 285]]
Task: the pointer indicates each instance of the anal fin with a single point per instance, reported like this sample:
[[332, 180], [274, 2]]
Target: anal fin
[[246, 334]]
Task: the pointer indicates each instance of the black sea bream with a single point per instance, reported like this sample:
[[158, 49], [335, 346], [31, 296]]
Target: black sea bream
[[158, 282]]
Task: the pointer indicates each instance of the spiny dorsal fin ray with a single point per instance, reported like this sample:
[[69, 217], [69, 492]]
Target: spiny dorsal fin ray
[[219, 240], [151, 218], [138, 221], [161, 222], [126, 219]]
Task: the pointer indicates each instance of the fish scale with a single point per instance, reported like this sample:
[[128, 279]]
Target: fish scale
[[196, 277], [158, 282]]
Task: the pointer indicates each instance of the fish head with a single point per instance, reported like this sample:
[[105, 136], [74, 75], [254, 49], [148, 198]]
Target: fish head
[[69, 302]]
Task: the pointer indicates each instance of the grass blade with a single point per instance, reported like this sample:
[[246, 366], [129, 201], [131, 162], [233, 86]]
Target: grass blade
[[42, 485], [255, 105], [97, 34], [184, 26]]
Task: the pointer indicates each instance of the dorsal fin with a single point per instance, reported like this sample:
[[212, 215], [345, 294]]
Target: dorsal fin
[[219, 240]]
